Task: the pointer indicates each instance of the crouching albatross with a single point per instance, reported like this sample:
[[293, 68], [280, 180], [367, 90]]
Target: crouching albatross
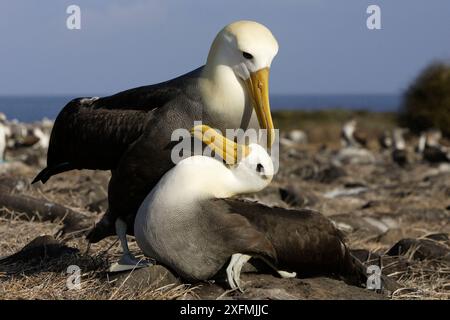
[[200, 232], [130, 132]]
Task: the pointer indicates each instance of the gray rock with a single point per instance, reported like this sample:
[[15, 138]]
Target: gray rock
[[420, 249], [155, 276]]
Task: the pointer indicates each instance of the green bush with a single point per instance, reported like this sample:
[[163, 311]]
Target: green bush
[[426, 103]]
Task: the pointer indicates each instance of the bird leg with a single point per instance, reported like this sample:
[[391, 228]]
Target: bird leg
[[127, 261], [234, 270]]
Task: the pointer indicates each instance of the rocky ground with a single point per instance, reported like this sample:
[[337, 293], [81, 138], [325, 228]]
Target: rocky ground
[[397, 218]]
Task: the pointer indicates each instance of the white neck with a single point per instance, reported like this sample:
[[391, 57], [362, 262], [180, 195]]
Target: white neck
[[349, 130], [224, 95], [196, 178], [43, 138]]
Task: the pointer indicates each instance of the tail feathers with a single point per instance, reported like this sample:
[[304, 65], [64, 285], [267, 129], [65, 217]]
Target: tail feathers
[[46, 173], [42, 176]]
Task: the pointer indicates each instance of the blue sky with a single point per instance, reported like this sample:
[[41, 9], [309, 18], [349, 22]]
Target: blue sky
[[325, 46]]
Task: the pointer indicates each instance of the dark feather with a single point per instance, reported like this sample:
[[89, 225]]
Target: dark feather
[[435, 154], [234, 230], [95, 134], [304, 240], [400, 157]]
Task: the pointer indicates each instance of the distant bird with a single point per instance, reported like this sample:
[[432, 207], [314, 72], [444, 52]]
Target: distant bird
[[130, 132], [34, 137], [352, 155], [294, 138], [421, 143], [399, 154], [3, 134], [28, 140], [433, 151], [17, 134], [351, 137], [297, 136], [46, 124], [200, 232], [385, 140], [43, 139]]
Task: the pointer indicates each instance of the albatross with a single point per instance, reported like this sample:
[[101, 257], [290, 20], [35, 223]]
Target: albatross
[[200, 232], [351, 136], [130, 132], [431, 148], [399, 153], [3, 135]]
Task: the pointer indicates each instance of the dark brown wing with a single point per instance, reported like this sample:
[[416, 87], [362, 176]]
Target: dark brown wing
[[436, 154], [87, 138], [95, 133], [234, 233], [305, 241], [93, 138]]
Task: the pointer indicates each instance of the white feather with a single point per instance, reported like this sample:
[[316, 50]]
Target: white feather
[[191, 180]]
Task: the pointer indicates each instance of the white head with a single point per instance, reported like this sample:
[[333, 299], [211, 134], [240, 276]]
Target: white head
[[399, 140], [254, 172], [246, 47], [238, 66], [349, 127], [208, 177]]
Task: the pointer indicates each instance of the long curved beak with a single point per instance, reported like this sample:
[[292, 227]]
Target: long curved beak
[[258, 89], [227, 149]]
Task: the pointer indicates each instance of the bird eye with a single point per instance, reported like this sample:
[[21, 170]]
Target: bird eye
[[247, 55], [259, 168]]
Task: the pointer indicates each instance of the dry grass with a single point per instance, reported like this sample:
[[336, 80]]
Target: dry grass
[[48, 279], [53, 286], [424, 280]]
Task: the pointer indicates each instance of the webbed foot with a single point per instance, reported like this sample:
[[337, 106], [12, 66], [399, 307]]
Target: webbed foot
[[128, 262], [234, 270]]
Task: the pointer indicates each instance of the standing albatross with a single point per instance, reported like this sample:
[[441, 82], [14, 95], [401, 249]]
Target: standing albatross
[[130, 132], [3, 135], [197, 233]]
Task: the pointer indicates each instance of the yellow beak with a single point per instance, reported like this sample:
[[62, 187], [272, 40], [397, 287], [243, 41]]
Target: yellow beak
[[258, 89], [228, 150]]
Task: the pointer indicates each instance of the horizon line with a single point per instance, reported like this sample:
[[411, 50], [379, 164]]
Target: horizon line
[[272, 94]]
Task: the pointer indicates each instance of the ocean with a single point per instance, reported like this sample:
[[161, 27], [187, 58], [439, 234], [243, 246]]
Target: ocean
[[34, 108]]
